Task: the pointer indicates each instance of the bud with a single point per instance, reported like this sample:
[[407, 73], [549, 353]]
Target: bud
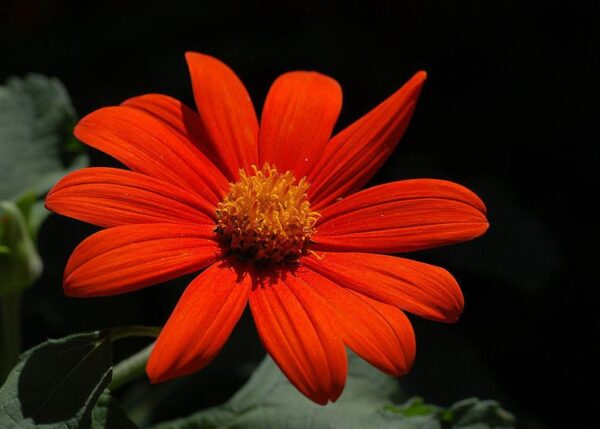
[[20, 263]]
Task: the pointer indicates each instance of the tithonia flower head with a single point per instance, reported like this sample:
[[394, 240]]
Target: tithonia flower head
[[269, 215]]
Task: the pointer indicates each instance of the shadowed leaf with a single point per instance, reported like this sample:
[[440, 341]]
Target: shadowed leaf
[[108, 414], [56, 384]]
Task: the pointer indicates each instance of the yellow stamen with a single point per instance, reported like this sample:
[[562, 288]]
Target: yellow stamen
[[267, 216]]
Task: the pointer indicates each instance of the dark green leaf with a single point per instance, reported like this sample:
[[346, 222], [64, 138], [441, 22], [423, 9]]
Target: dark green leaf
[[56, 384], [108, 414], [36, 122], [268, 400], [20, 263]]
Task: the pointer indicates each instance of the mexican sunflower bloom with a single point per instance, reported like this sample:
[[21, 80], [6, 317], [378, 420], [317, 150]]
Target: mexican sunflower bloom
[[269, 215]]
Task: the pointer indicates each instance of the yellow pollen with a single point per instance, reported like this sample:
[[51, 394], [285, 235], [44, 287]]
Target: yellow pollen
[[266, 216]]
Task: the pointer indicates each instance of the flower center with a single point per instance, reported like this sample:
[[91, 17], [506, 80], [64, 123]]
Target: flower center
[[266, 216]]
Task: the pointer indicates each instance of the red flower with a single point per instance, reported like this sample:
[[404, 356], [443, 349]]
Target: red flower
[[274, 216]]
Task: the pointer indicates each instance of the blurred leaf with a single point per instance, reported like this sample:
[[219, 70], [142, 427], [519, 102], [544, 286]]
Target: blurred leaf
[[56, 384], [475, 414], [25, 204], [108, 414], [33, 211], [20, 263], [37, 216], [466, 414], [268, 400], [414, 407], [36, 122]]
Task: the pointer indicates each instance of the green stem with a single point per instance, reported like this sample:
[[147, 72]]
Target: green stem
[[134, 331], [130, 368], [10, 332]]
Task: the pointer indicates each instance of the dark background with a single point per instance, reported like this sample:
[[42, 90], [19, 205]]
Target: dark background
[[507, 111]]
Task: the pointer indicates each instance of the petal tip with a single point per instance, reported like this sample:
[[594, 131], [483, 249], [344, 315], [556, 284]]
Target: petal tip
[[154, 375], [70, 290], [420, 76], [485, 226], [319, 398], [48, 200], [72, 286], [452, 316], [334, 396], [190, 54], [480, 228], [157, 369], [78, 128]]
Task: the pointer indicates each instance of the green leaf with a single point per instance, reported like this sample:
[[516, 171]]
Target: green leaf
[[36, 123], [475, 414], [268, 400], [108, 414], [466, 414], [20, 263], [33, 211], [56, 384], [414, 407]]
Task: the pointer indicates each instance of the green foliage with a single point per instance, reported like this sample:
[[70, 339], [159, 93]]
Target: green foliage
[[466, 414], [36, 144], [268, 400], [474, 414], [414, 407], [36, 122], [20, 263], [56, 384], [63, 384], [108, 414], [33, 211]]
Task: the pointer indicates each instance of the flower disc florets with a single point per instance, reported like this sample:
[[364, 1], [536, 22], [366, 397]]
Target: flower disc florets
[[266, 216]]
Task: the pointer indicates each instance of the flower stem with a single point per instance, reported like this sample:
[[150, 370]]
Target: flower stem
[[134, 331], [10, 332], [130, 368]]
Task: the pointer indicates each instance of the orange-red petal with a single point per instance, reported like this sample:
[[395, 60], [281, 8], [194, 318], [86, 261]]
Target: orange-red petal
[[297, 120], [181, 118], [422, 289], [353, 156], [226, 111], [402, 217], [150, 146], [298, 331], [201, 323], [379, 333], [112, 197], [130, 257]]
